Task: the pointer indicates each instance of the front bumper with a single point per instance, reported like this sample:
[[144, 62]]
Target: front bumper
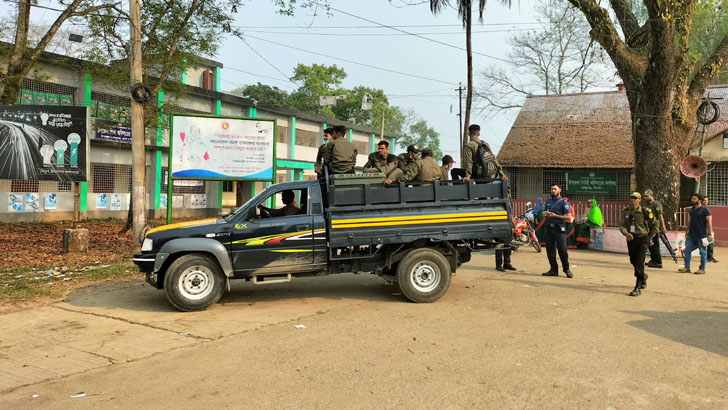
[[145, 261]]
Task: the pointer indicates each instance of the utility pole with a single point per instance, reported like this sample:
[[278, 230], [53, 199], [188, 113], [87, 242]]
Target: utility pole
[[138, 157], [460, 119]]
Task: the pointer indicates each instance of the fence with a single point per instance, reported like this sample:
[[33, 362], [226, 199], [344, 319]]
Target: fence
[[611, 211]]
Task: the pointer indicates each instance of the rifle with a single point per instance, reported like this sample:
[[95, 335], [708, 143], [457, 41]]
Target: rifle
[[664, 240]]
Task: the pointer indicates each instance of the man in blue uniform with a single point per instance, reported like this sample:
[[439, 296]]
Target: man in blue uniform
[[557, 215]]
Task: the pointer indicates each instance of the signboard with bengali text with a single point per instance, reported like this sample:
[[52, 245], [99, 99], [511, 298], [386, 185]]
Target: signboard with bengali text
[[219, 148], [591, 182]]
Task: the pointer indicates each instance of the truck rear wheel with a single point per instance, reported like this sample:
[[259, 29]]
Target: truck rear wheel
[[423, 275], [194, 282]]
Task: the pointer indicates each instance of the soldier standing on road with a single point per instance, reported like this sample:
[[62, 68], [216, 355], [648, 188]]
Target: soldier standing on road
[[381, 160], [557, 214], [639, 225], [328, 137], [340, 156], [503, 256], [654, 245]]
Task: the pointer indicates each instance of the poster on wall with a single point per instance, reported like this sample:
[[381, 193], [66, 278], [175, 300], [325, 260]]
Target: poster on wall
[[15, 202], [116, 202], [222, 148], [112, 131], [162, 200], [101, 200], [50, 201], [198, 201], [178, 201], [32, 203], [49, 143]]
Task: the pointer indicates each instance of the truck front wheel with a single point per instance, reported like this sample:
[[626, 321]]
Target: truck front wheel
[[194, 282], [423, 275]]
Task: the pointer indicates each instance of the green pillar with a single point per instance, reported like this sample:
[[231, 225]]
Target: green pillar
[[351, 135], [374, 142], [218, 74], [293, 137], [184, 71], [158, 166], [83, 186], [253, 112]]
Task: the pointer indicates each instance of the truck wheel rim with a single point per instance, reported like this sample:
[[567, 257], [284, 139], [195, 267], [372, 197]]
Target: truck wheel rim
[[425, 276], [196, 282]]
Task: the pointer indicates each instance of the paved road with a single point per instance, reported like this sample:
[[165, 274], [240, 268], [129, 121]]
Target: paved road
[[515, 340]]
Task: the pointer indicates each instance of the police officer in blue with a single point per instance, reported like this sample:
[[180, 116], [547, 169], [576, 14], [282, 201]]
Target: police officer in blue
[[557, 215]]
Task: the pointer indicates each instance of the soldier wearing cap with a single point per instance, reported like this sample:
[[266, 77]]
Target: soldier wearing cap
[[639, 226], [380, 160], [447, 163], [654, 246], [407, 160]]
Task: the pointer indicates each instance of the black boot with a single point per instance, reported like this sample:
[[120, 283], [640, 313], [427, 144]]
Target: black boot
[[643, 282], [636, 291]]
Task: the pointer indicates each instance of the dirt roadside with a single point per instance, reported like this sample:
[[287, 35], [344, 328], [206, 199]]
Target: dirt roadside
[[514, 340]]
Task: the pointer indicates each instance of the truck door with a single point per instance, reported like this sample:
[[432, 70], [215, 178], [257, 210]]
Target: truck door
[[275, 237]]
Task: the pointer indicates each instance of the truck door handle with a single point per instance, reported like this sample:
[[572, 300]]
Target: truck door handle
[[304, 227]]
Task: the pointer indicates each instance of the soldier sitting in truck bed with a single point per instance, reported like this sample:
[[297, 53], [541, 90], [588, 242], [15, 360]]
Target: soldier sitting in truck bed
[[290, 208], [380, 160], [426, 169]]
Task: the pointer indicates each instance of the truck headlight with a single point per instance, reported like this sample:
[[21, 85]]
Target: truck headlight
[[147, 245]]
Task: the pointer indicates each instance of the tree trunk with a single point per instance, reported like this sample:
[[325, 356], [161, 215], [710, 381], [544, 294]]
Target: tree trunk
[[137, 128], [469, 92], [659, 148]]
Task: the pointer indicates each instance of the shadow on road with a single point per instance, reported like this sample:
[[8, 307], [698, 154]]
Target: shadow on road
[[536, 280], [139, 296], [702, 329]]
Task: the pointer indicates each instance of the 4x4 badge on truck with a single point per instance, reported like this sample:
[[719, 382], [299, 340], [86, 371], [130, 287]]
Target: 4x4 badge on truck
[[241, 226]]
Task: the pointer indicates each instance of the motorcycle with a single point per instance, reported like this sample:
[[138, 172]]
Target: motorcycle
[[524, 232]]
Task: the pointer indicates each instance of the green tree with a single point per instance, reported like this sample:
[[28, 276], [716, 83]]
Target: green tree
[[422, 136], [264, 94], [314, 81], [665, 78]]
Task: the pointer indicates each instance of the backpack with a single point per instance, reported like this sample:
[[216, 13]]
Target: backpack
[[484, 162]]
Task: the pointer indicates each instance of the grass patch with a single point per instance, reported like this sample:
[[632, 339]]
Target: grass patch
[[45, 284]]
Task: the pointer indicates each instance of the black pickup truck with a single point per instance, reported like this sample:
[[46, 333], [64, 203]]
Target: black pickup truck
[[414, 234]]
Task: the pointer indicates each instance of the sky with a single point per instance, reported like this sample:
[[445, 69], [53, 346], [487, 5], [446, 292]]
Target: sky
[[372, 41]]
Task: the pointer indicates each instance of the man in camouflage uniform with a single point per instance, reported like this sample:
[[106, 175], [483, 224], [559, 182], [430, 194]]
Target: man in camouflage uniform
[[469, 156], [328, 137], [654, 246], [425, 169], [381, 160], [395, 174], [639, 226], [340, 156], [447, 163], [408, 159]]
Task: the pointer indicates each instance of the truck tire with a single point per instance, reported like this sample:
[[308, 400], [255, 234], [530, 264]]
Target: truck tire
[[423, 275], [194, 282]]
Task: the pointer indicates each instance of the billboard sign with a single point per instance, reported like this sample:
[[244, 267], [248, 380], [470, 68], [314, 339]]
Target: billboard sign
[[47, 143], [112, 131], [207, 147], [591, 183]]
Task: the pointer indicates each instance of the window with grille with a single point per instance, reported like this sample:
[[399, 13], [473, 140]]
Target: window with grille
[[717, 184], [307, 138], [35, 92], [110, 107], [228, 186], [20, 185], [64, 186], [530, 183], [282, 137], [110, 178]]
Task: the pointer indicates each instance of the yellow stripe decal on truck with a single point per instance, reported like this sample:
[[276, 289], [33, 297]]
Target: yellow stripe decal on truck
[[180, 225], [397, 219], [422, 222]]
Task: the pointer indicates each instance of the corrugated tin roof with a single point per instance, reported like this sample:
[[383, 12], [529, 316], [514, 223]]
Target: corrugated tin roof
[[571, 131], [583, 130]]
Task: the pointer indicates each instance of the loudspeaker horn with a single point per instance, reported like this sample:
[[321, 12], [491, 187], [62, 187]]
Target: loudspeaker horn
[[693, 166]]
